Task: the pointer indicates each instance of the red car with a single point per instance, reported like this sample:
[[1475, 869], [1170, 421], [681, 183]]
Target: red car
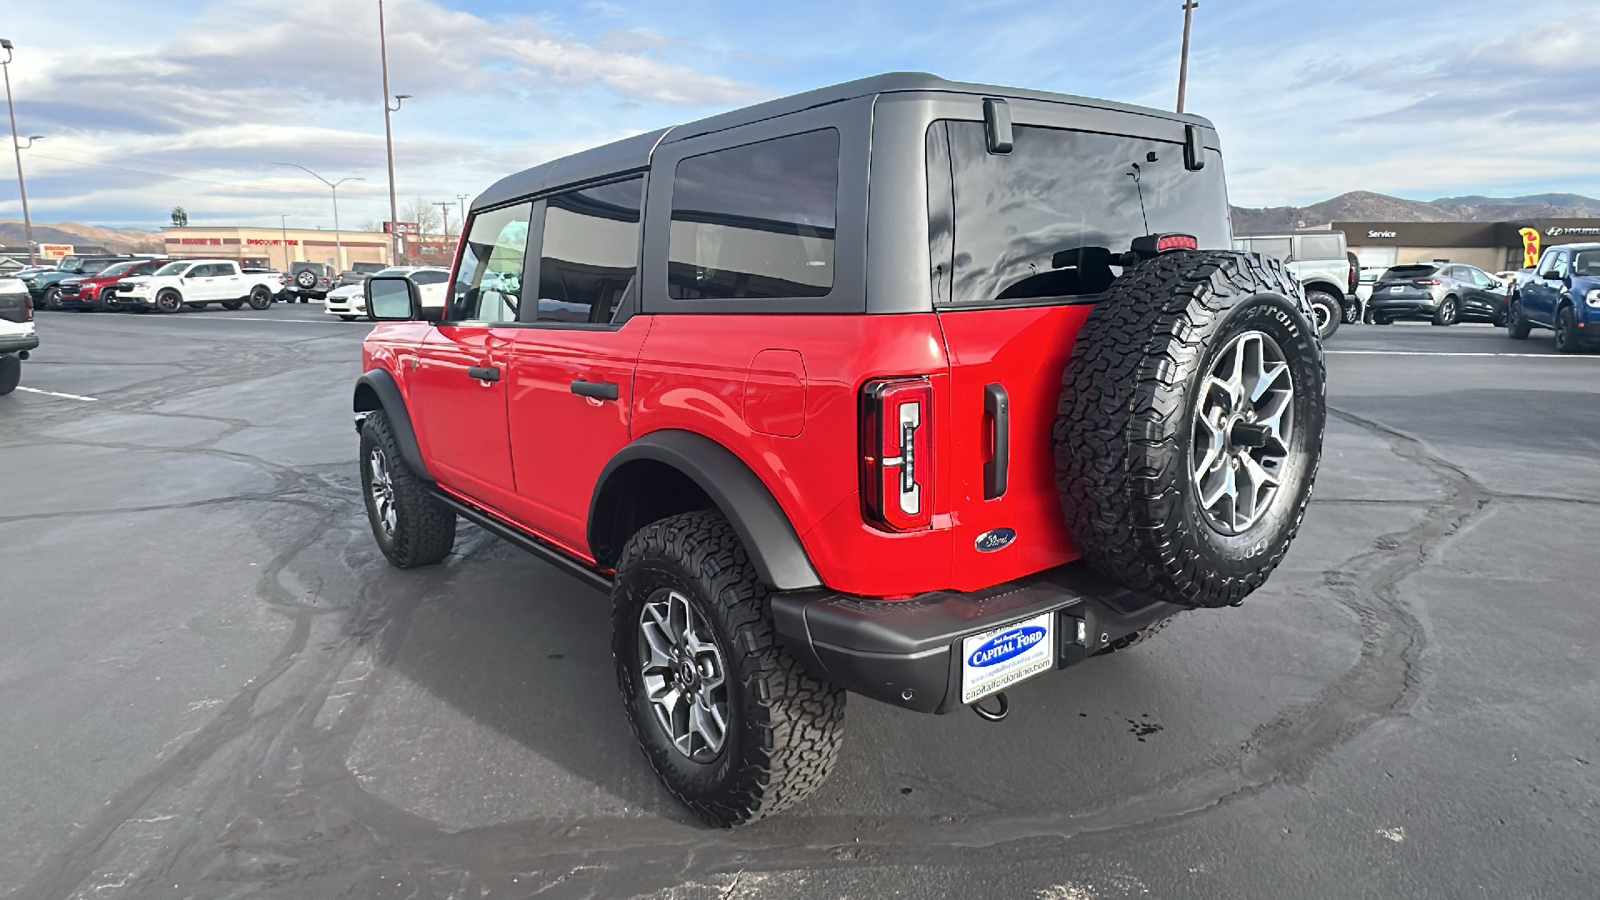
[[903, 387], [99, 291]]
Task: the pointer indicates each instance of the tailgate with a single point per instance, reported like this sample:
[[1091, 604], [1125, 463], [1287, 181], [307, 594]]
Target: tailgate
[[14, 302]]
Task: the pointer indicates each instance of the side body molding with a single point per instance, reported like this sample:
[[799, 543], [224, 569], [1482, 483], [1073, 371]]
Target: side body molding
[[772, 543], [377, 390]]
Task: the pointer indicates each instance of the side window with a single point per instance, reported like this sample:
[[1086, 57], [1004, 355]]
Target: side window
[[489, 287], [1547, 265], [1277, 248], [1319, 246], [228, 269], [590, 252], [200, 272], [1561, 264], [756, 221]]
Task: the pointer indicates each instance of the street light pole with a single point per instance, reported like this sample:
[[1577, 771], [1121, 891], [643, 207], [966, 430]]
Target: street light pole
[[462, 199], [1183, 60], [338, 239], [444, 212], [388, 138], [283, 226], [16, 148]]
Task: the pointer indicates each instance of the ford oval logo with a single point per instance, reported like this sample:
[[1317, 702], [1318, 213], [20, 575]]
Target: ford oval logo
[[1005, 645], [994, 539]]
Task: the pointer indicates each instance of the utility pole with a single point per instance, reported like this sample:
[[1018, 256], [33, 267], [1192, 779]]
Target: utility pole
[[462, 199], [16, 148], [444, 210], [283, 226], [388, 139], [1183, 60]]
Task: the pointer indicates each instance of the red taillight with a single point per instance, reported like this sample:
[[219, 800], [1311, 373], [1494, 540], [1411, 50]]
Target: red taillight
[[1169, 242], [1426, 282], [897, 453], [27, 307]]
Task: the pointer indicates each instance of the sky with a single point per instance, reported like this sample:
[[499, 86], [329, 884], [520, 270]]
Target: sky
[[160, 103]]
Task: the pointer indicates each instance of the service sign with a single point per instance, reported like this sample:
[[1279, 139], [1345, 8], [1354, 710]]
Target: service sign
[[995, 660]]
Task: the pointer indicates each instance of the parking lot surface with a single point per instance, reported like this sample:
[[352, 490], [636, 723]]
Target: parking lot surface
[[212, 684]]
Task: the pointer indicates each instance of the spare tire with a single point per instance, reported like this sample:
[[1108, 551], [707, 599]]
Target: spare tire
[[1190, 426], [306, 279]]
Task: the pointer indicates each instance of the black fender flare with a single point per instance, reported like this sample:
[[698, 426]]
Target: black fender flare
[[1327, 287], [377, 390], [739, 494]]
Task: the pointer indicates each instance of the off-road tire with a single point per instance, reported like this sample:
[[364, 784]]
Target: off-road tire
[[1568, 339], [1449, 311], [232, 304], [260, 298], [425, 529], [169, 301], [1124, 436], [10, 373], [1327, 312], [1138, 637], [1517, 325], [784, 726]]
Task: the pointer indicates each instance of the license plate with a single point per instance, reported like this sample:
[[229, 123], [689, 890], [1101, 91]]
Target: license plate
[[998, 659], [1396, 290]]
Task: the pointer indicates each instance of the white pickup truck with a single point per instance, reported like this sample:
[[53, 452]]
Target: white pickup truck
[[198, 282], [17, 336]]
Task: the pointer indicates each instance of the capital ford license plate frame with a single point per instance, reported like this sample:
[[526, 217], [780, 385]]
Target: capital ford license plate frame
[[1004, 656]]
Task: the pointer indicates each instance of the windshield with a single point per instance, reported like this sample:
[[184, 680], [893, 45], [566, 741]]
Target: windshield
[[172, 268], [1586, 263], [1047, 219], [118, 269]]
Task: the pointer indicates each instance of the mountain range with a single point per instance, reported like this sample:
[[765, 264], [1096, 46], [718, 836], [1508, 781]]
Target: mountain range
[[1355, 206], [1365, 206]]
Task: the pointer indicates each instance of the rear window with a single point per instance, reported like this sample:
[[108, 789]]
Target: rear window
[[1043, 221], [1409, 272]]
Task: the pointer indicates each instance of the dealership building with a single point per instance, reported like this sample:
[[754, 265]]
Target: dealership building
[[276, 247], [1491, 246]]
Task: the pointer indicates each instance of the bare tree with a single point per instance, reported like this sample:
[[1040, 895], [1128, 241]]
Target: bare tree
[[425, 214]]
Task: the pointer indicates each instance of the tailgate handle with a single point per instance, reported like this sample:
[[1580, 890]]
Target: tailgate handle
[[484, 373], [997, 406], [600, 390]]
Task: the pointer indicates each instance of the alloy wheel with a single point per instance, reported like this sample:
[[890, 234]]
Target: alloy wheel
[[382, 489], [683, 675], [1242, 428]]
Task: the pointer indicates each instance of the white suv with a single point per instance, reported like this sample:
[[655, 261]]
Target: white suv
[[350, 302], [198, 282], [17, 336]]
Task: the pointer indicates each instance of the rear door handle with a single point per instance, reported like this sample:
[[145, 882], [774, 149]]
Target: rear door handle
[[600, 390], [997, 406], [484, 373]]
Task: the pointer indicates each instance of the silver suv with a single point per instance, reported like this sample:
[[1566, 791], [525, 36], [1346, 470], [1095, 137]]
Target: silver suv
[[1322, 263]]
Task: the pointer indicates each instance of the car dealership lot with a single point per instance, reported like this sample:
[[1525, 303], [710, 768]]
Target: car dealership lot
[[213, 685]]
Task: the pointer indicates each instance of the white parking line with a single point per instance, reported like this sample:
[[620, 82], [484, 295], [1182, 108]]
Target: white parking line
[[1456, 353], [59, 394]]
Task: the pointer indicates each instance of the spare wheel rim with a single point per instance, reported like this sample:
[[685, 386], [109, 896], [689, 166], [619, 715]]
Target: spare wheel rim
[[1243, 426]]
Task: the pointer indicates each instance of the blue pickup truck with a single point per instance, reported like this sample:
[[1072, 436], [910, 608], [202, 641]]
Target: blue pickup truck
[[1561, 293]]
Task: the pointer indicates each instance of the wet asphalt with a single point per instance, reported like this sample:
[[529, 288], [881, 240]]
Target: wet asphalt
[[213, 686]]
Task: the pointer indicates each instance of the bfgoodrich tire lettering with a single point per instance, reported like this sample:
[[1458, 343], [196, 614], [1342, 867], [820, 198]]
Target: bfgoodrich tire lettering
[[411, 527], [783, 727], [1126, 434]]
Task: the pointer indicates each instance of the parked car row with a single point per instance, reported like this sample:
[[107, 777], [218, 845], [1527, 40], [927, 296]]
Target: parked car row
[[349, 302], [1443, 293]]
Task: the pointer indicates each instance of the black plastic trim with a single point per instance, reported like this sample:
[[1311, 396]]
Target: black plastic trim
[[997, 125], [763, 527], [600, 390], [905, 652], [19, 344], [394, 404], [997, 406], [532, 543]]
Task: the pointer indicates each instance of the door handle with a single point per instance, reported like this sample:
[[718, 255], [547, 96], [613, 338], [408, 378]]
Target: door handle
[[600, 390], [997, 406], [484, 373]]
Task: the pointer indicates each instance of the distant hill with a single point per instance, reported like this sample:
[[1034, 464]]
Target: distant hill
[[1365, 206], [117, 240]]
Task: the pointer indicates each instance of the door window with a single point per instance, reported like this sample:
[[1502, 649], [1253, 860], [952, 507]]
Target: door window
[[1277, 248], [1320, 246], [756, 221], [590, 252], [489, 288], [202, 271]]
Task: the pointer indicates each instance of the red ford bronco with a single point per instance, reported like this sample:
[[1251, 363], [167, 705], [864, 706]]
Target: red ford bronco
[[903, 387]]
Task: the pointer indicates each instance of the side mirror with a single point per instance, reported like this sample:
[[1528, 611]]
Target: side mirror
[[393, 298]]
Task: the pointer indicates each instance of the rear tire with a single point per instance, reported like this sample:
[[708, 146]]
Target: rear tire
[[781, 727], [232, 304], [1163, 398], [1327, 312], [260, 298], [10, 373], [1517, 325], [1448, 313], [411, 526]]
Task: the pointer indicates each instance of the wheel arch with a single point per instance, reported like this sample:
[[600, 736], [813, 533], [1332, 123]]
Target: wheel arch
[[672, 471], [377, 391], [1327, 287]]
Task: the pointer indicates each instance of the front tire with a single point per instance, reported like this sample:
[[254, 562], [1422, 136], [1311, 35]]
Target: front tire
[[1517, 325], [10, 373], [1327, 312], [51, 298], [1190, 426], [169, 301], [732, 724], [411, 526], [1567, 339]]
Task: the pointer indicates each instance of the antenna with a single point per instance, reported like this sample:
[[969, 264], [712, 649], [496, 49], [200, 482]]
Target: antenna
[[1140, 188]]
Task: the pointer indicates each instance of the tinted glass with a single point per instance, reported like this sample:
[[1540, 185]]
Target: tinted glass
[[172, 268], [1320, 246], [205, 271], [1402, 272], [756, 221], [1586, 263], [430, 277], [1560, 265], [1044, 220], [590, 252], [95, 265], [1277, 248], [121, 268], [490, 285]]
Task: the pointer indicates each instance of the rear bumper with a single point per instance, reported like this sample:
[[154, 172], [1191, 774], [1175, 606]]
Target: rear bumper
[[1401, 306], [908, 652], [18, 343]]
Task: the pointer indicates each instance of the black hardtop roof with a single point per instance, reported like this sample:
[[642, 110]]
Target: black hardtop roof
[[1587, 245], [633, 153]]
